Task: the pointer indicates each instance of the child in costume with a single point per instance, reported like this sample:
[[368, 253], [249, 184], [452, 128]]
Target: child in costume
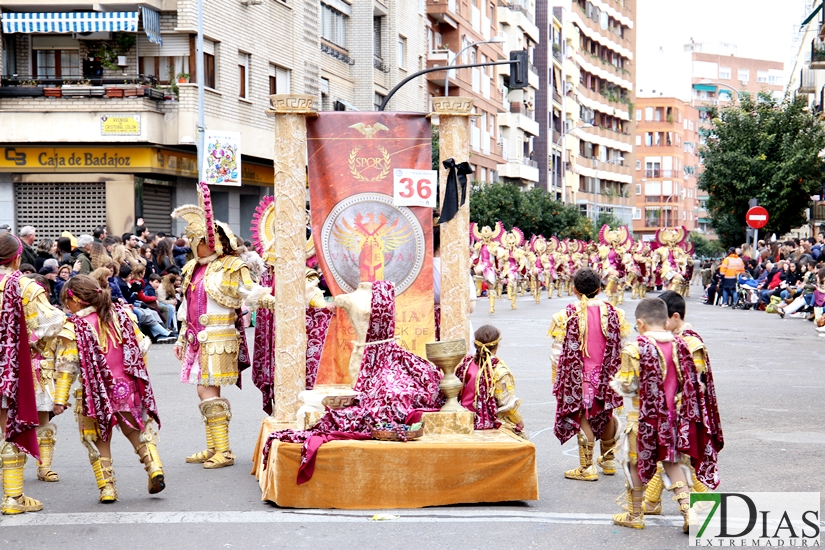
[[664, 413], [586, 354], [489, 387], [212, 341], [27, 322], [676, 324], [103, 344]]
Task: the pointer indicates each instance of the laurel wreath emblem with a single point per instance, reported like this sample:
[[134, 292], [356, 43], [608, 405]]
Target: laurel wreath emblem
[[357, 175]]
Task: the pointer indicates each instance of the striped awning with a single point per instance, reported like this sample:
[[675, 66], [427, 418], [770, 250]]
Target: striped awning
[[70, 22], [151, 24]]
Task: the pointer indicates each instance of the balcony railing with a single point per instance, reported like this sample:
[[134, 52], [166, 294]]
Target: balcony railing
[[519, 8], [339, 55], [379, 64], [528, 162], [20, 86], [658, 173]]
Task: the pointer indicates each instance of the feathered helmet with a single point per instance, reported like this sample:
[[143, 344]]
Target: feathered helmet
[[671, 236], [201, 225], [614, 238]]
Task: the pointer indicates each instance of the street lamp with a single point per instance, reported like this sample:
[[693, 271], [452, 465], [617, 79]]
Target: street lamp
[[494, 40]]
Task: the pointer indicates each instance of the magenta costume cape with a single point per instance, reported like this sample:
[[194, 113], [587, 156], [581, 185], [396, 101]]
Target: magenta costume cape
[[569, 388], [16, 379], [660, 435], [393, 382], [483, 403], [116, 381], [263, 361]]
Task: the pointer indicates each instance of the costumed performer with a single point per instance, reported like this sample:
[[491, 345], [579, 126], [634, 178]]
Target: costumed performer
[[664, 415], [586, 354], [676, 324], [27, 320], [103, 344], [212, 341], [392, 384], [489, 388]]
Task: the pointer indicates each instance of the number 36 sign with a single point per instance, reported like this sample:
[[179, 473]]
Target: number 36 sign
[[414, 187]]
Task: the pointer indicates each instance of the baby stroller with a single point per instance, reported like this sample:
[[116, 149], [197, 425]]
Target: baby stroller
[[747, 296]]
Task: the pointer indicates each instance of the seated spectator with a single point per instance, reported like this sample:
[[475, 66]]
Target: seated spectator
[[181, 250], [27, 269], [150, 293], [122, 280]]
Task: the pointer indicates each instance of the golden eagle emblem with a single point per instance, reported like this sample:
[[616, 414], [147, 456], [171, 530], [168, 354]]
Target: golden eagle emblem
[[369, 131], [371, 239]]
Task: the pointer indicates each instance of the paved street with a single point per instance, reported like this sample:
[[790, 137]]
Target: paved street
[[769, 378]]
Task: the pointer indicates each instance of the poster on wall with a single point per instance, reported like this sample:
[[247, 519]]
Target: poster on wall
[[360, 233], [222, 158]]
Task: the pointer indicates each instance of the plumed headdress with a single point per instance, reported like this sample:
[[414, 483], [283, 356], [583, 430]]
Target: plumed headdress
[[201, 225]]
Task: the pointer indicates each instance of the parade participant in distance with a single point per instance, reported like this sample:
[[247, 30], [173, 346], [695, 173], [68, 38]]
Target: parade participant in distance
[[664, 414], [489, 387], [586, 354], [102, 343], [212, 341], [676, 324], [26, 319]]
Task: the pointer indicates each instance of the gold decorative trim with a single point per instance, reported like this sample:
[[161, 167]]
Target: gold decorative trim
[[293, 104]]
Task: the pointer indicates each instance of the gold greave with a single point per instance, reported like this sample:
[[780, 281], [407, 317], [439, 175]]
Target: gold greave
[[512, 293], [147, 450], [698, 486], [203, 456], [492, 295], [586, 470], [631, 500], [681, 495], [218, 415], [12, 464], [46, 440], [607, 460], [653, 493], [94, 460], [108, 492]]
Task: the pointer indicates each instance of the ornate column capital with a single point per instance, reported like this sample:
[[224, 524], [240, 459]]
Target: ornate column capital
[[454, 106], [292, 104]]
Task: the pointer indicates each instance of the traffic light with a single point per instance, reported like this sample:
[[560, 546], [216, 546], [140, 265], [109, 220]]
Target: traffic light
[[518, 69]]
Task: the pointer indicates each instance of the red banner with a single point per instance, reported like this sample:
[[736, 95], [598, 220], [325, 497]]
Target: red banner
[[360, 236]]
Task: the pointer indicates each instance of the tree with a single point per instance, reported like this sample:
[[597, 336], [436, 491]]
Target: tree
[[606, 218], [535, 212], [762, 149], [704, 247]]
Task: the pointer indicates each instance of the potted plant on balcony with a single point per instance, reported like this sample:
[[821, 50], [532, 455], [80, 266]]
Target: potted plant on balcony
[[113, 56], [25, 88], [114, 91], [82, 88], [183, 78], [53, 91]]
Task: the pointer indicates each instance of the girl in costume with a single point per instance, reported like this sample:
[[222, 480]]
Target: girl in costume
[[586, 354], [27, 322], [489, 386], [103, 344]]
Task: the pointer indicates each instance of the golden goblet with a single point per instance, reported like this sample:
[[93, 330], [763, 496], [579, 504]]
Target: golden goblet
[[446, 356]]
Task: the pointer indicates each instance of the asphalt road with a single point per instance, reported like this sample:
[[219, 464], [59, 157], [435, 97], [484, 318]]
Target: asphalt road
[[768, 373]]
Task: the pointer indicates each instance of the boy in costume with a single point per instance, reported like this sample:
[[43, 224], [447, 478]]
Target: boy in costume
[[664, 415], [212, 342], [676, 324], [586, 352]]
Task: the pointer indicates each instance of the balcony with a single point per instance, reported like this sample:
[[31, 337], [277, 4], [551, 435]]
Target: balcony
[[18, 86], [87, 5], [516, 15], [807, 81], [443, 11], [657, 173], [378, 64], [525, 170], [817, 55], [439, 57]]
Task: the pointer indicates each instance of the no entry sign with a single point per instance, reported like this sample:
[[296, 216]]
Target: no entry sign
[[757, 217]]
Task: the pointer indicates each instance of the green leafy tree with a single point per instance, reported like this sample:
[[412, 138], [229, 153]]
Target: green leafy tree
[[608, 219], [704, 247], [763, 149]]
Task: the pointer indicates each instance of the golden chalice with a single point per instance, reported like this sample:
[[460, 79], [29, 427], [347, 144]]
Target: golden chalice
[[446, 356]]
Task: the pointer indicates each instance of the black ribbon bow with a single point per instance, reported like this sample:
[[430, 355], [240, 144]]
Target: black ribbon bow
[[452, 200]]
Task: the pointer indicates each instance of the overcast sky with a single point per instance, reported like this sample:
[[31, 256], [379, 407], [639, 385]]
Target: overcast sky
[[761, 29]]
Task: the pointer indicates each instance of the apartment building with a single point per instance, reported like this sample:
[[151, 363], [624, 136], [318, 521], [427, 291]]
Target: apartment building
[[667, 159], [550, 99], [470, 28], [599, 82], [99, 100]]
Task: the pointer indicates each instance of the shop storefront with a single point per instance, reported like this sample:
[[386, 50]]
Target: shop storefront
[[75, 189]]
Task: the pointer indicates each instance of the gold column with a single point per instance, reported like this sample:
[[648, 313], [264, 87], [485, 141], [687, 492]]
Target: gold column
[[290, 112], [454, 142]]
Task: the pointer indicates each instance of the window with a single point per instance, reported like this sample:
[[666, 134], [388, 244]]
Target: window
[[648, 113], [243, 75], [724, 73], [56, 63], [209, 70], [744, 75], [638, 167], [166, 62], [377, 101], [762, 76], [638, 186], [279, 80], [653, 188], [638, 114], [376, 38], [648, 139], [652, 215], [638, 141], [334, 22], [402, 52], [637, 213]]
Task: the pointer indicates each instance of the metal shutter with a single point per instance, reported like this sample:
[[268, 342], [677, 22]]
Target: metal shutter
[[157, 208], [52, 208]]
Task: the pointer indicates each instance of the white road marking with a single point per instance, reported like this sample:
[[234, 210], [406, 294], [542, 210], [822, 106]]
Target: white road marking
[[317, 516]]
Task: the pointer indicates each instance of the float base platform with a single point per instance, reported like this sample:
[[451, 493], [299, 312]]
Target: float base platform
[[436, 470]]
